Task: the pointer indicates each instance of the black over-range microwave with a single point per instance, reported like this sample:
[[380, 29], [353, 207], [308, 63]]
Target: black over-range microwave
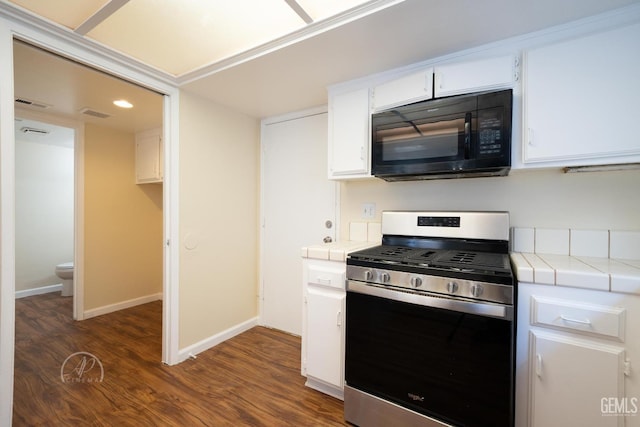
[[452, 137]]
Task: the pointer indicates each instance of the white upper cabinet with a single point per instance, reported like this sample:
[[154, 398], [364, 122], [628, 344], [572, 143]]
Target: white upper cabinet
[[581, 100], [149, 157], [477, 75], [404, 90], [349, 134], [350, 106]]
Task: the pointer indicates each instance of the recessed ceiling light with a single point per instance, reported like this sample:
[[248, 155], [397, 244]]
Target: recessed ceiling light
[[123, 103]]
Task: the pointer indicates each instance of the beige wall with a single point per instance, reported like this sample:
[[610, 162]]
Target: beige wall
[[219, 176], [123, 223], [540, 198]]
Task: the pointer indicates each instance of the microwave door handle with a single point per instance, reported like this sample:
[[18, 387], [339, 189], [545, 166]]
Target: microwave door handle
[[467, 135]]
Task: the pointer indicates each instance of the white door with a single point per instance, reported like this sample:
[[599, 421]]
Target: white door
[[297, 202]]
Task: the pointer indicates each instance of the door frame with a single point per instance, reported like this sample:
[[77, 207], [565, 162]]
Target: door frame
[[265, 122], [18, 24]]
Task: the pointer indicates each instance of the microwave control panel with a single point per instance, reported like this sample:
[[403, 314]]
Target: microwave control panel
[[490, 138]]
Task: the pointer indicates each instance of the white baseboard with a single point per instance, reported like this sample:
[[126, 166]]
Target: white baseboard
[[121, 305], [39, 291], [214, 340]]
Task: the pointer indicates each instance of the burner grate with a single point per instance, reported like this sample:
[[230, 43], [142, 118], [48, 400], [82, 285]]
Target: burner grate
[[463, 257], [396, 251], [475, 260]]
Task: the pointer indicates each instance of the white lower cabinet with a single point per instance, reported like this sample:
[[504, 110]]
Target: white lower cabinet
[[570, 377], [325, 314], [323, 325], [575, 350]]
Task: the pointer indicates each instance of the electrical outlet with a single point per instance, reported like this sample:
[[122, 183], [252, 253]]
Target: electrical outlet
[[368, 210]]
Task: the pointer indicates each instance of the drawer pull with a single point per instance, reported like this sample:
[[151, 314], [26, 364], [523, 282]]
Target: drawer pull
[[324, 281], [572, 320]]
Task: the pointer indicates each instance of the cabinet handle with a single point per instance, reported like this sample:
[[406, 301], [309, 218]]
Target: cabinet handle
[[362, 152], [339, 319], [539, 365], [530, 136], [324, 281], [572, 320], [627, 368]]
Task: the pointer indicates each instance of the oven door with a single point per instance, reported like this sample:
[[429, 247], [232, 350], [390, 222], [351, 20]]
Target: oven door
[[449, 360]]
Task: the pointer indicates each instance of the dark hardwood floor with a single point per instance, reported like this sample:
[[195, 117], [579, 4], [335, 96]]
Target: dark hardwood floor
[[253, 379]]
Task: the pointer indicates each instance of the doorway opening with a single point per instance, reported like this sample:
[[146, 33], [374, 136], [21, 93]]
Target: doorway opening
[[118, 227], [44, 180]]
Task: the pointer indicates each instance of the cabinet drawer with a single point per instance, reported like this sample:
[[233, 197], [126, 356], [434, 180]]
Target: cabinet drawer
[[326, 276], [585, 318]]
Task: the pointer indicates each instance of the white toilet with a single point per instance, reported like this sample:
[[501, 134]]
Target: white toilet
[[65, 272]]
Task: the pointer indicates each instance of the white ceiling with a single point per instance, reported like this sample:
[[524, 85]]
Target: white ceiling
[[67, 87], [190, 41], [43, 133]]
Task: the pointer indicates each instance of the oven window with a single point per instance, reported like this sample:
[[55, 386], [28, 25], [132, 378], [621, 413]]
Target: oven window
[[452, 366]]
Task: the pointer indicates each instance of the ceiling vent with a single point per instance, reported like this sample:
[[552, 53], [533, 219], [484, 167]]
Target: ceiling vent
[[89, 112], [34, 131], [32, 103]]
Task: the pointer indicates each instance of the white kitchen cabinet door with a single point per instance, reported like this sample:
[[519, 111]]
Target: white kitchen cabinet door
[[148, 157], [474, 76], [325, 335], [570, 377], [404, 90], [581, 99], [349, 136]]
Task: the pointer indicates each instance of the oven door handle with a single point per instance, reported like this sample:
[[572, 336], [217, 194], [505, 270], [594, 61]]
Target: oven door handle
[[472, 307]]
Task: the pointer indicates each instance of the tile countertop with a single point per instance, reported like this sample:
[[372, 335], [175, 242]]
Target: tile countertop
[[362, 235], [603, 274], [602, 259], [335, 251]]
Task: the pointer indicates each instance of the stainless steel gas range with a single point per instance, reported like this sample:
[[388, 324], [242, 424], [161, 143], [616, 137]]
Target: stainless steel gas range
[[430, 323]]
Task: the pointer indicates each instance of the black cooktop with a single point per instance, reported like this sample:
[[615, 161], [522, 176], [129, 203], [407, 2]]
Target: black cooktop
[[482, 265]]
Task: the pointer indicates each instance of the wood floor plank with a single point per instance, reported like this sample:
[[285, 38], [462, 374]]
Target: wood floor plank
[[253, 379]]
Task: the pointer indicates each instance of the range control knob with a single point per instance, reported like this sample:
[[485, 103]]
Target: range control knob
[[368, 275], [476, 290], [416, 282], [384, 277], [452, 287]]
